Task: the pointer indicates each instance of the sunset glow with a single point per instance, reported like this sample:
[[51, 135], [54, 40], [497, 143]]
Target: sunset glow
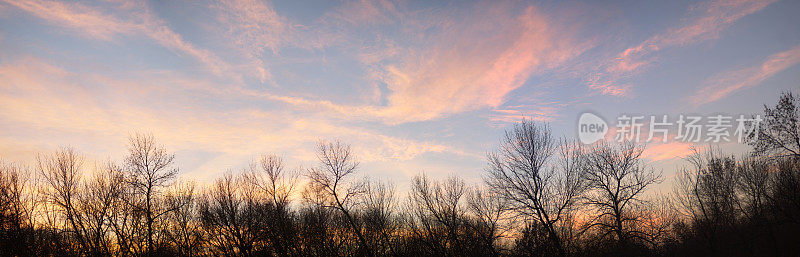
[[413, 86]]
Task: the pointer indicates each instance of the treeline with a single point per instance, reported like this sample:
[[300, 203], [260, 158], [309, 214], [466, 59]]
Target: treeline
[[541, 196]]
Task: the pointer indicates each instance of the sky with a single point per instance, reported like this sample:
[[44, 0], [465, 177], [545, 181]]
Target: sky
[[413, 86]]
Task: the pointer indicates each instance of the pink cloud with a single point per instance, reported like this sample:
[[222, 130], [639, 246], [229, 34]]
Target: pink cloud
[[469, 65], [726, 83], [473, 64], [656, 149], [469, 61], [608, 87], [543, 112], [87, 20], [713, 17], [98, 25], [667, 151]]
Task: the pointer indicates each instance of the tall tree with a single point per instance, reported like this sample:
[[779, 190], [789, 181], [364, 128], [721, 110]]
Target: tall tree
[[332, 179], [617, 178], [489, 212], [149, 169], [96, 202], [230, 213], [439, 215], [18, 202], [269, 176], [378, 214], [272, 187], [540, 178], [779, 133], [62, 173], [184, 228]]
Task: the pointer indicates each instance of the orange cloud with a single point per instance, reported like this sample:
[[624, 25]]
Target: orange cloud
[[37, 96], [729, 82]]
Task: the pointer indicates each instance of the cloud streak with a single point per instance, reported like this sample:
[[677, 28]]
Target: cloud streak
[[466, 60], [714, 16], [96, 24], [256, 28], [38, 96], [409, 83], [726, 83], [473, 65]]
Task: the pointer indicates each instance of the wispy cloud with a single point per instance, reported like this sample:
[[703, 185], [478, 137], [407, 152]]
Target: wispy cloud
[[658, 148], [256, 28], [389, 77], [103, 26], [88, 21], [473, 63], [709, 19], [668, 151], [466, 60], [365, 13], [38, 96], [726, 83], [542, 112]]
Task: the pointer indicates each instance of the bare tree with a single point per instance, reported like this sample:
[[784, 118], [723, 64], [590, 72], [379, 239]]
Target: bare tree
[[439, 215], [707, 191], [753, 180], [490, 212], [536, 185], [779, 133], [184, 228], [730, 201], [62, 173], [378, 215], [656, 219], [127, 222], [785, 190], [332, 178], [274, 186], [96, 202], [617, 178], [149, 169], [270, 177], [18, 202], [230, 215], [84, 204], [321, 231]]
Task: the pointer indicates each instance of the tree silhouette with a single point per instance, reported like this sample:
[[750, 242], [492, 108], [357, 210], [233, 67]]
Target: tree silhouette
[[536, 183], [332, 181], [540, 197], [779, 133], [149, 169], [617, 178]]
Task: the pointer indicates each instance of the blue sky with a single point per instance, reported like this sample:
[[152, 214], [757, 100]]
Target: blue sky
[[412, 86]]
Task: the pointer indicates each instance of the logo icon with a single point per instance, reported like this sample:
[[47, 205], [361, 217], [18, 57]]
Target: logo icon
[[591, 128]]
